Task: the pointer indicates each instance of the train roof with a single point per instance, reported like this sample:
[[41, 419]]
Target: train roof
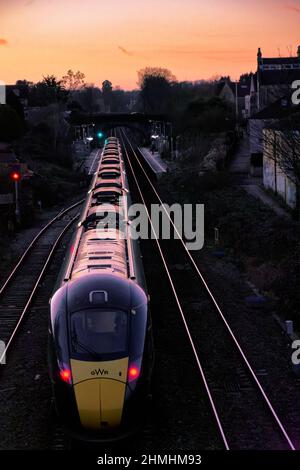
[[102, 191], [101, 251], [109, 171], [114, 183], [110, 159], [116, 292], [103, 242]]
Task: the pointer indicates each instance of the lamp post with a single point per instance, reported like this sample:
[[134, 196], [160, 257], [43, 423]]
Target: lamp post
[[171, 140], [236, 106], [17, 201], [177, 147]]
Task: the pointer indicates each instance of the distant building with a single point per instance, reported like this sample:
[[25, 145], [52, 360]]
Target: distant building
[[241, 95], [274, 77], [266, 118]]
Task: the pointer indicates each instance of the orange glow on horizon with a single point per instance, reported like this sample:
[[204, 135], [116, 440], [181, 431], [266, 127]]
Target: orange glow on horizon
[[193, 38]]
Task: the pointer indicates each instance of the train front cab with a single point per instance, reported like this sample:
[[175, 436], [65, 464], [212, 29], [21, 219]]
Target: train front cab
[[101, 356]]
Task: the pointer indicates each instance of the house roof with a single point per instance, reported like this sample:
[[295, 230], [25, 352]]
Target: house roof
[[279, 77], [243, 90], [280, 109], [279, 60]]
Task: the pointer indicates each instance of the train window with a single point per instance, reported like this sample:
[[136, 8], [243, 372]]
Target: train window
[[108, 185], [98, 333], [109, 175], [110, 161]]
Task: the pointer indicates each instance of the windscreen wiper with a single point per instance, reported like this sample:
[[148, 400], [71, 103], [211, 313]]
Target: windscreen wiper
[[77, 343]]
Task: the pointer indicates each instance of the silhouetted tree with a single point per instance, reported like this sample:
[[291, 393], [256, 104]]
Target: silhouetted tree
[[155, 88], [11, 127], [208, 115], [49, 90], [14, 101], [107, 94], [90, 99], [73, 80]]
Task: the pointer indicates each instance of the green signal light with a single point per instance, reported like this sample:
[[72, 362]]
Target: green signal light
[[99, 135]]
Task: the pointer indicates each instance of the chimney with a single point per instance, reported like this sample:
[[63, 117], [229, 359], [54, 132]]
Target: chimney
[[259, 56]]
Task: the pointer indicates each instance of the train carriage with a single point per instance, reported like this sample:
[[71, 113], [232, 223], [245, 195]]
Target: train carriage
[[100, 336]]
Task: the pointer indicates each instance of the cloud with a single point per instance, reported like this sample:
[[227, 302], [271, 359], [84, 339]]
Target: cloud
[[293, 8], [125, 51], [3, 42]]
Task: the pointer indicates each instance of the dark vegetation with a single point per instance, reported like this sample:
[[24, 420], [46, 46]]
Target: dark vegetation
[[11, 125], [190, 105], [263, 246], [44, 139], [44, 146]]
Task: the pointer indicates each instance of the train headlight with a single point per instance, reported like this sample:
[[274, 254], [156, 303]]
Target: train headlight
[[133, 373], [65, 375]]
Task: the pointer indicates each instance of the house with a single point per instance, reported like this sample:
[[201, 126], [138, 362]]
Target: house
[[267, 118], [241, 95], [275, 76], [278, 167]]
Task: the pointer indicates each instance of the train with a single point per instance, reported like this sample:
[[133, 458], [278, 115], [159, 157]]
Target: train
[[100, 347]]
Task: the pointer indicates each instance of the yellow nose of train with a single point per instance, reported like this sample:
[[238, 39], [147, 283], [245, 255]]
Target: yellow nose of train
[[100, 392]]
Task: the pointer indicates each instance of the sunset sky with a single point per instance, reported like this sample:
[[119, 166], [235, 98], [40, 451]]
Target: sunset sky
[[112, 39]]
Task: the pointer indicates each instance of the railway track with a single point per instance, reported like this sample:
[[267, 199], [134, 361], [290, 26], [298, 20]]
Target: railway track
[[19, 290], [244, 414]]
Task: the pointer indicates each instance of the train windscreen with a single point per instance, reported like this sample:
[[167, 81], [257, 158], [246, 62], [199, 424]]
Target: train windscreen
[[99, 334]]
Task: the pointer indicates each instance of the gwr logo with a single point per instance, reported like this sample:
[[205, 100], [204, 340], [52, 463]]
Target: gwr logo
[[99, 372]]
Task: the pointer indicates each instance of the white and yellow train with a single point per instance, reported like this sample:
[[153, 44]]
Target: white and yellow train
[[100, 337]]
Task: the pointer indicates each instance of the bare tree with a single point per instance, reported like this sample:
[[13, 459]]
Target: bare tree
[[73, 80], [281, 143]]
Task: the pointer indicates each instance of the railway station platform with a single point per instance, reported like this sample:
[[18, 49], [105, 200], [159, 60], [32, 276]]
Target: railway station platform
[[158, 166]]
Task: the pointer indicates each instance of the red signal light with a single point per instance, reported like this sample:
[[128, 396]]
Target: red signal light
[[15, 176], [133, 373], [65, 375]]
